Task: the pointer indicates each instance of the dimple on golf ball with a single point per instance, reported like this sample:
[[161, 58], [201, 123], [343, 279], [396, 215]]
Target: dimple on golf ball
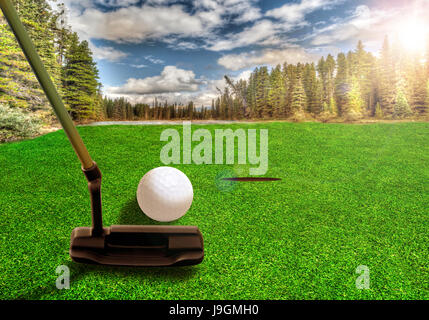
[[165, 194]]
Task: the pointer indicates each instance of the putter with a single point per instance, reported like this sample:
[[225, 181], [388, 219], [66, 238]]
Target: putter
[[117, 245]]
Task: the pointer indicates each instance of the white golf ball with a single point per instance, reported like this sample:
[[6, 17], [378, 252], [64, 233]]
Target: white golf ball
[[165, 194]]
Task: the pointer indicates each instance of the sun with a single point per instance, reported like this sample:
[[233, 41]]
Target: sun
[[413, 35]]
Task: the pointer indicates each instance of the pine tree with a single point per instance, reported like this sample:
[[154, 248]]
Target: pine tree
[[18, 85], [291, 75], [365, 65], [323, 76], [277, 93], [333, 109], [402, 108], [378, 112], [37, 17], [251, 93], [80, 80], [342, 86], [330, 65], [262, 89], [313, 90], [191, 110], [352, 66], [418, 86], [387, 80], [299, 98], [355, 102]]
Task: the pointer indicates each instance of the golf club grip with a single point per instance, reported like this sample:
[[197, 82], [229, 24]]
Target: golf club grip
[[45, 81]]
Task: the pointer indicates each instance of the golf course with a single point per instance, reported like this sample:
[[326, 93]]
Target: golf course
[[349, 195]]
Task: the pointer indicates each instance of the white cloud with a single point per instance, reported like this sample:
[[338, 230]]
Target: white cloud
[[296, 12], [165, 20], [245, 75], [263, 32], [138, 66], [270, 57], [235, 10], [364, 24], [107, 53], [171, 79], [184, 45], [135, 24], [117, 3], [251, 14], [154, 60]]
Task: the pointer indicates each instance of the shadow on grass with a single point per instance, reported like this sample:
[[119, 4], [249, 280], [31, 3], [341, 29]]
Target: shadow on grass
[[129, 215]]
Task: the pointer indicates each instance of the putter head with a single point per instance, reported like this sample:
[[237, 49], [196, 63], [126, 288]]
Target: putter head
[[149, 246]]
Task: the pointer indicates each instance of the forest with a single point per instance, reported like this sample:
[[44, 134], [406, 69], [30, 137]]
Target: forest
[[353, 86], [393, 84]]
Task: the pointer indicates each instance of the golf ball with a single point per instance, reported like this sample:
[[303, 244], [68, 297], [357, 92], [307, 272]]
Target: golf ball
[[165, 194]]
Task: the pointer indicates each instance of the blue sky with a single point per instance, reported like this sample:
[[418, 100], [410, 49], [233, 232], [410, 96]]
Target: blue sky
[[180, 50]]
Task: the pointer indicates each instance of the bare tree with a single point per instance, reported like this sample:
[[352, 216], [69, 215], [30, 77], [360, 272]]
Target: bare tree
[[240, 91]]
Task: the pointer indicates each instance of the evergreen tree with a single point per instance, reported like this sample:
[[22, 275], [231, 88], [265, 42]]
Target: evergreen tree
[[387, 88], [37, 18], [313, 90], [277, 93], [191, 110], [251, 93], [418, 86], [213, 110], [299, 98], [342, 86], [262, 89], [355, 102], [323, 76], [291, 74], [402, 108], [378, 112], [80, 80], [363, 74], [330, 65], [333, 109], [18, 85]]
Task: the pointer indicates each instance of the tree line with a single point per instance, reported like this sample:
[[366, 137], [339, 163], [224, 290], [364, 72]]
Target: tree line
[[122, 109], [351, 86]]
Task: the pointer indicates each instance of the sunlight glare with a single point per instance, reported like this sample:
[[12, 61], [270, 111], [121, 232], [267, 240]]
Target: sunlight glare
[[413, 35]]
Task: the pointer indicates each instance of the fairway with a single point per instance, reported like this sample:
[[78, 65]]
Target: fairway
[[350, 195]]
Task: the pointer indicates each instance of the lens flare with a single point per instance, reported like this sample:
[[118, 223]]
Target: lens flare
[[413, 35]]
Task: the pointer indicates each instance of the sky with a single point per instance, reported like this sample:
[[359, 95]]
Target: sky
[[180, 50]]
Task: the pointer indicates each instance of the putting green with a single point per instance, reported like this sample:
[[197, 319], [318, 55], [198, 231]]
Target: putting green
[[350, 195]]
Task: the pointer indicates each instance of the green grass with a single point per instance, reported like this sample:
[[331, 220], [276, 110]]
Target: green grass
[[350, 195]]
